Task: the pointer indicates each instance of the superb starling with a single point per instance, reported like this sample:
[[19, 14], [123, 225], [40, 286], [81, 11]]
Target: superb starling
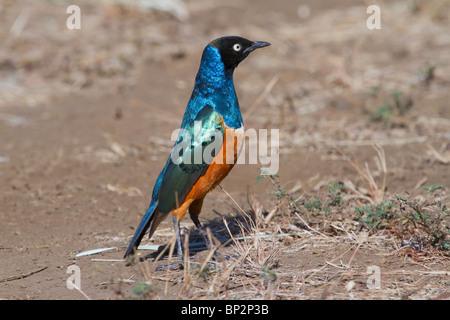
[[212, 116]]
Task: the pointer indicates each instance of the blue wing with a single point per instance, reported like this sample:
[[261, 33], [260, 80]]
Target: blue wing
[[178, 177]]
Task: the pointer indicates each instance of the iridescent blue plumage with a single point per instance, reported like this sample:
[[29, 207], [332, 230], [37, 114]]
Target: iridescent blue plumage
[[214, 87], [214, 104]]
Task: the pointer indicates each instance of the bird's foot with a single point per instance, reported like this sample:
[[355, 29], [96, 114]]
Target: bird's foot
[[173, 266]]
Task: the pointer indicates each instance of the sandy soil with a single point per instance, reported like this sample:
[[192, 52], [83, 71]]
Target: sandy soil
[[86, 118]]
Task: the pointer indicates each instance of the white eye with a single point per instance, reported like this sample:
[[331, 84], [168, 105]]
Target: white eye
[[237, 47]]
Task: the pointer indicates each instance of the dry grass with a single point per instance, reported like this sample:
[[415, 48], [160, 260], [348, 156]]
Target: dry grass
[[257, 264], [375, 191]]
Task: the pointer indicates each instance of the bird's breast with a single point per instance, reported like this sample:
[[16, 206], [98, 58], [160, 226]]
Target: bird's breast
[[222, 163]]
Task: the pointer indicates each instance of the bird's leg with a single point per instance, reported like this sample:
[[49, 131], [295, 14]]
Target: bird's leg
[[180, 263], [176, 224]]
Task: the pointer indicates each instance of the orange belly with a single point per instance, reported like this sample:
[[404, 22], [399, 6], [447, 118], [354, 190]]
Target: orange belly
[[216, 172]]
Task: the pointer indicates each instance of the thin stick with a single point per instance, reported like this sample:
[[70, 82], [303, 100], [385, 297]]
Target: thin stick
[[318, 232], [275, 210], [23, 275], [226, 192]]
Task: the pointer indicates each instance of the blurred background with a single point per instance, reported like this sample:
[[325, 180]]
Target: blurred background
[[86, 115]]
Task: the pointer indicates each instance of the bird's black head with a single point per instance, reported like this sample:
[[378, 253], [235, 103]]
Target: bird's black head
[[235, 49]]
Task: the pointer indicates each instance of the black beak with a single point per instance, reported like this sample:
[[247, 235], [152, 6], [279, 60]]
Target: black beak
[[256, 45]]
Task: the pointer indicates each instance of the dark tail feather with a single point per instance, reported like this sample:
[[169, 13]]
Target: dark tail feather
[[142, 228]]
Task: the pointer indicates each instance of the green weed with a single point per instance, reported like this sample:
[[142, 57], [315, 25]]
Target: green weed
[[268, 274], [334, 194], [398, 103], [314, 205], [408, 218], [206, 271], [431, 221], [383, 113], [143, 289], [325, 202], [432, 188], [376, 216]]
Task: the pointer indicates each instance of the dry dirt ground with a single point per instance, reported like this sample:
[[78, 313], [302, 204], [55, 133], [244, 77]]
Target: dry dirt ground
[[85, 123]]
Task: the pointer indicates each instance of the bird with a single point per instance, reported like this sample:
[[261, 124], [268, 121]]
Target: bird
[[214, 119]]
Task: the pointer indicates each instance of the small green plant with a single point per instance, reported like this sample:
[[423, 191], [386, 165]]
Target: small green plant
[[383, 113], [407, 218], [279, 193], [261, 176], [426, 72], [399, 103], [268, 274], [206, 271], [331, 198], [377, 216], [143, 289], [432, 188], [431, 221], [314, 205], [334, 193]]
